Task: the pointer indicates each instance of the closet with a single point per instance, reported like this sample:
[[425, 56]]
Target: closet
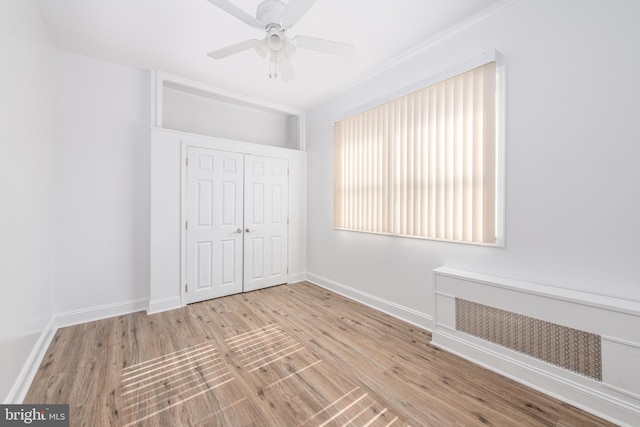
[[228, 193], [236, 223]]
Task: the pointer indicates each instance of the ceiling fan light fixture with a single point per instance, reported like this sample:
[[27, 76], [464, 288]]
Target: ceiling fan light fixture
[[262, 48], [275, 38], [288, 48]]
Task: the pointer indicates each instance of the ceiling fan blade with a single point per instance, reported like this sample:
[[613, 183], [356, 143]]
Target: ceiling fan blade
[[234, 10], [233, 49], [284, 65], [325, 46], [294, 10], [288, 48]]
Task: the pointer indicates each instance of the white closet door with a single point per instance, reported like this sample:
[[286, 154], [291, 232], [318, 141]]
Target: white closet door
[[215, 227], [265, 222]]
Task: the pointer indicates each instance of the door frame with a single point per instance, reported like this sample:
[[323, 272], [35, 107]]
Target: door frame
[[219, 144]]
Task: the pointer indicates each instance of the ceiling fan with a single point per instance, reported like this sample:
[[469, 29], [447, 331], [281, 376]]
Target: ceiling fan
[[276, 17]]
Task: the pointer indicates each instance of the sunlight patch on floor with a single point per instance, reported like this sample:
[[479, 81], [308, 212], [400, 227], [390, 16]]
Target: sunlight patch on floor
[[159, 384], [263, 346]]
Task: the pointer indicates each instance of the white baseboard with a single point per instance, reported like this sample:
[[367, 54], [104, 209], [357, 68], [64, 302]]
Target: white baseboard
[[297, 277], [77, 317], [31, 365], [409, 315], [164, 304], [592, 401]]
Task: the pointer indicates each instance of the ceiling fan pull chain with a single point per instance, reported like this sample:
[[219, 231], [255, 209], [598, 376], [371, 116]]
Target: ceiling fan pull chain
[[273, 66]]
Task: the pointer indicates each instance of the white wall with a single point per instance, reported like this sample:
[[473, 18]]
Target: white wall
[[102, 184], [26, 187], [572, 205], [204, 115]]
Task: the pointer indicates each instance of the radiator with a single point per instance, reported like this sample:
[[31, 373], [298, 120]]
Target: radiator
[[579, 347]]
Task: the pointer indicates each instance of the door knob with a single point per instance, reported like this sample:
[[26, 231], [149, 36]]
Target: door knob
[[249, 230], [239, 230]]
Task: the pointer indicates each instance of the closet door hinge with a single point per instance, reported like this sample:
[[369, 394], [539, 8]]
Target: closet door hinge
[[186, 225], [186, 287], [287, 221], [288, 172], [186, 162]]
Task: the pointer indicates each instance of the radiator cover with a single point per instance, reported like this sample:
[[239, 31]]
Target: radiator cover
[[577, 351], [580, 347]]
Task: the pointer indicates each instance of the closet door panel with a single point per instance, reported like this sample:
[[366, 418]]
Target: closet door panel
[[266, 229], [214, 224]]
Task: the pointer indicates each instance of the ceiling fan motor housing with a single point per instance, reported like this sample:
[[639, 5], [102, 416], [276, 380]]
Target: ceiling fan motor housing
[[268, 13]]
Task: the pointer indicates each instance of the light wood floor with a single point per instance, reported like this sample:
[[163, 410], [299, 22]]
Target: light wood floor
[[292, 355]]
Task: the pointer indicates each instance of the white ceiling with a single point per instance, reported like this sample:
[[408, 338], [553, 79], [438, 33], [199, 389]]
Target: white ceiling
[[175, 35]]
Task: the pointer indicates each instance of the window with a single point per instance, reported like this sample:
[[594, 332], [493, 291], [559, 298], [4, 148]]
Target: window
[[423, 165]]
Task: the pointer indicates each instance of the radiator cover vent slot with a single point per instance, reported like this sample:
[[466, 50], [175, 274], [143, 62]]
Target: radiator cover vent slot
[[571, 349]]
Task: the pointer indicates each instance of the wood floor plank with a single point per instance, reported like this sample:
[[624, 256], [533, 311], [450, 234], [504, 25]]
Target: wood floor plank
[[291, 355]]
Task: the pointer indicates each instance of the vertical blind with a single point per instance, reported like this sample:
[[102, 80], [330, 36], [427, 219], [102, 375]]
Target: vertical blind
[[422, 165]]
